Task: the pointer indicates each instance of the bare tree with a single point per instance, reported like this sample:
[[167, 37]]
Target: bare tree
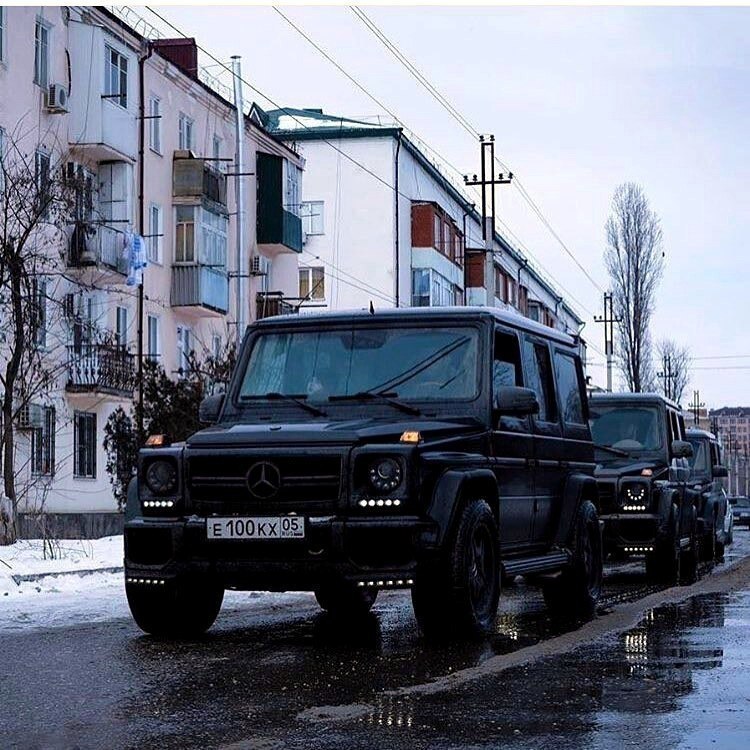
[[36, 204], [635, 263], [674, 368]]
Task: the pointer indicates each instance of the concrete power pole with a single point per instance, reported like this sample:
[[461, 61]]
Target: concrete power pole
[[239, 187], [667, 375], [609, 320], [696, 407]]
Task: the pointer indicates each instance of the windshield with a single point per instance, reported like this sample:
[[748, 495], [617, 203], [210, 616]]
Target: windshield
[[700, 461], [411, 363], [631, 429]]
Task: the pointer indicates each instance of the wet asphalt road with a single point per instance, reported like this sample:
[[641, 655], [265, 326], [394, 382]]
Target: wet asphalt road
[[294, 678]]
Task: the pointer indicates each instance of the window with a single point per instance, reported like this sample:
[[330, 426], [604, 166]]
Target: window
[[442, 292], [186, 132], [213, 239], [437, 237], [312, 217], [121, 327], [184, 247], [569, 386], [312, 283], [292, 182], [84, 445], [41, 53], [154, 124], [420, 280], [216, 345], [116, 192], [184, 349], [429, 288], [538, 370], [43, 444], [41, 176], [153, 343], [40, 312], [115, 76], [155, 231], [2, 34], [506, 366], [216, 151]]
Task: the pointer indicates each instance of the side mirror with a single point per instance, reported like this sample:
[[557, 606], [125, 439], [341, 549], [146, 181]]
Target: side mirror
[[210, 408], [514, 401], [720, 472], [682, 449]]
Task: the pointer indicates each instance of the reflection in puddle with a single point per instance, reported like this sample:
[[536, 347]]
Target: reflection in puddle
[[391, 711]]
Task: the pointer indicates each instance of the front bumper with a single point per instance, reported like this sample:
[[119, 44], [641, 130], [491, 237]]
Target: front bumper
[[361, 549], [633, 533]]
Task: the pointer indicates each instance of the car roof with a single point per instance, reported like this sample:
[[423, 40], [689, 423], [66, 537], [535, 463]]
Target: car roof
[[697, 432], [635, 398], [410, 314]]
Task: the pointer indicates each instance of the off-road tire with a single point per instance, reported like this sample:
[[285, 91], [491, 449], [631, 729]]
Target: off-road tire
[[344, 599], [576, 592], [457, 596], [183, 608], [663, 565]]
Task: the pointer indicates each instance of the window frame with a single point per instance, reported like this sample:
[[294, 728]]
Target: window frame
[[308, 219], [309, 271], [154, 246], [184, 337], [179, 229], [185, 132], [118, 97], [85, 444], [42, 164], [121, 326], [561, 354], [44, 25], [154, 124], [43, 445], [153, 325], [531, 342]]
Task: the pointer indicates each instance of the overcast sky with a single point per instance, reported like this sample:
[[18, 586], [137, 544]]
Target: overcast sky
[[579, 100]]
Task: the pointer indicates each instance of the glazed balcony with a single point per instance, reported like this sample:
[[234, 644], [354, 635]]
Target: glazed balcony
[[200, 290]]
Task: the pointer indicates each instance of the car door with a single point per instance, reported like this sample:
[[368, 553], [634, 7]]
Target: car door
[[549, 446], [512, 448]]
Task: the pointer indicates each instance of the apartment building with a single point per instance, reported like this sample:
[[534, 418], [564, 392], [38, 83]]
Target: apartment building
[[426, 246], [732, 424], [151, 147]]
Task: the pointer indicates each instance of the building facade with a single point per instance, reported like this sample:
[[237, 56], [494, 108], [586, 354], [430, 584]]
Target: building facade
[[426, 246], [150, 148]]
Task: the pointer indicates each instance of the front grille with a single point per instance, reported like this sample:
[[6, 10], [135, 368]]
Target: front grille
[[218, 483]]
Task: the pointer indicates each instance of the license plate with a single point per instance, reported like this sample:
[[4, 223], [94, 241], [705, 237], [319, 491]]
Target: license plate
[[263, 527]]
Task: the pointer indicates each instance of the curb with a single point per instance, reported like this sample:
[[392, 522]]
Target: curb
[[19, 579]]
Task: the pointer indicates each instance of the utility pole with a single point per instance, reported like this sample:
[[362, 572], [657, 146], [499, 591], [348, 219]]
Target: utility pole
[[609, 320], [487, 179], [667, 375], [696, 406]]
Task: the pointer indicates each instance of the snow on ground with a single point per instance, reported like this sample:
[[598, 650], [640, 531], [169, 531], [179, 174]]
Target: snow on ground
[[76, 587]]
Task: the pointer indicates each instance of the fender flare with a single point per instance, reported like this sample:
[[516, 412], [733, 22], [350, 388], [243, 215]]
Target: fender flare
[[448, 494], [578, 487]]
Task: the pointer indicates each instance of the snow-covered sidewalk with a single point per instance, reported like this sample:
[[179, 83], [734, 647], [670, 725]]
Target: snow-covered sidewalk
[[84, 584]]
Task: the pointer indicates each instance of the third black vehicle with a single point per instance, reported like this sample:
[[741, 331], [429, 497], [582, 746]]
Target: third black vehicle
[[642, 472], [435, 450], [706, 474]]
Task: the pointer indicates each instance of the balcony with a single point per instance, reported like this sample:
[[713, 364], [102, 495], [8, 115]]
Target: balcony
[[100, 369], [96, 254], [270, 304], [279, 230], [197, 178], [200, 290]]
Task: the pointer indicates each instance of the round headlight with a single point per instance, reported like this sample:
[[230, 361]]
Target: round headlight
[[161, 477], [385, 474]]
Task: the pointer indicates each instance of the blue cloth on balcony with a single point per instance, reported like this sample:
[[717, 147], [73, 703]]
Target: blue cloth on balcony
[[135, 252]]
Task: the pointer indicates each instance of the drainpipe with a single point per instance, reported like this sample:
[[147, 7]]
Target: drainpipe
[[467, 210], [239, 185], [397, 214], [141, 216]]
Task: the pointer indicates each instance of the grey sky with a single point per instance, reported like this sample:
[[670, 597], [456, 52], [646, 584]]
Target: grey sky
[[579, 99]]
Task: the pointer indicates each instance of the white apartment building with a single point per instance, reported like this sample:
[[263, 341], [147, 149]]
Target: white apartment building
[[152, 147], [425, 248]]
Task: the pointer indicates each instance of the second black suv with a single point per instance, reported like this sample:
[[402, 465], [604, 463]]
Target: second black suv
[[438, 450], [706, 474], [647, 507]]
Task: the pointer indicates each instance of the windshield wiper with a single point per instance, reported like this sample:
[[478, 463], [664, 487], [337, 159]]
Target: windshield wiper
[[387, 397], [610, 449], [295, 398]]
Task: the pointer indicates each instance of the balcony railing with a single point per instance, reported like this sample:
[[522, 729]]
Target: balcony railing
[[200, 286], [103, 368], [93, 245], [270, 304]]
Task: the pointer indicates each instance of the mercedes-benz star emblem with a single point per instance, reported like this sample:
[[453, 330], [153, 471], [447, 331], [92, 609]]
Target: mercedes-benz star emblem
[[263, 480]]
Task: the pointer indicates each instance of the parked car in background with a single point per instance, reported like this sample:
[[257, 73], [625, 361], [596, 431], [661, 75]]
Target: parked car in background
[[432, 449], [642, 474], [740, 510], [706, 475]]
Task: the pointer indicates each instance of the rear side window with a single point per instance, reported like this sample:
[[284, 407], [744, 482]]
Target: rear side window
[[506, 364], [569, 389], [539, 377]]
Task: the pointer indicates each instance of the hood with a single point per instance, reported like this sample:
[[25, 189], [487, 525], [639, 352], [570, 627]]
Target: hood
[[348, 432], [626, 467]]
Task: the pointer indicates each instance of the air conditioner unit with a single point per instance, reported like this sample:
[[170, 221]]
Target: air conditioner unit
[[57, 98], [258, 265], [30, 416]]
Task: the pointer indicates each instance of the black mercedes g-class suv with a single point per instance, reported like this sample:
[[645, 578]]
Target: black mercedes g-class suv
[[642, 471], [706, 473], [439, 450]]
